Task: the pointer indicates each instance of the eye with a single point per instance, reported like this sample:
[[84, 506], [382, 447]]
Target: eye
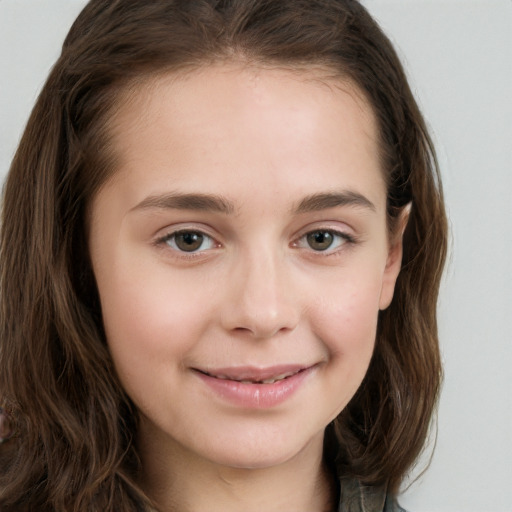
[[323, 239], [189, 241]]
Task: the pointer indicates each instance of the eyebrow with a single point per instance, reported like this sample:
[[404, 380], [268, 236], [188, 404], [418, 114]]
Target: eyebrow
[[326, 200], [219, 204], [178, 201]]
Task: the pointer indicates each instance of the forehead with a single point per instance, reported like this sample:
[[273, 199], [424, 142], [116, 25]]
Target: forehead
[[217, 123], [221, 89]]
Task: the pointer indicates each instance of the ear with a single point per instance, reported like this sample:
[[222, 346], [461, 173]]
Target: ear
[[394, 259]]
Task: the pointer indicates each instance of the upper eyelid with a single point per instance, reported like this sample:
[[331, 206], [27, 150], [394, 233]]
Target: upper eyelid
[[326, 226], [169, 231], [347, 236], [175, 232]]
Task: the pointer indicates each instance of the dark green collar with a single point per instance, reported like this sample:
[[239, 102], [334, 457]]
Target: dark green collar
[[355, 497]]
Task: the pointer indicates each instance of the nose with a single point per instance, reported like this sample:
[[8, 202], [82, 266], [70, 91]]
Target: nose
[[262, 301]]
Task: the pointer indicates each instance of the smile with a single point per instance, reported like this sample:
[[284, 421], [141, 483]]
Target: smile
[[251, 379], [255, 388]]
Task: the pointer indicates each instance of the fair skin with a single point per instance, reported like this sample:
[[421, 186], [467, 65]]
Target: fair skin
[[242, 239]]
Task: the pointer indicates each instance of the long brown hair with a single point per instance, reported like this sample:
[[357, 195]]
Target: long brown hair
[[74, 444]]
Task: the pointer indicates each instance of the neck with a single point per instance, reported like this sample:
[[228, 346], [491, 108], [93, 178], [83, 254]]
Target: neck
[[178, 480]]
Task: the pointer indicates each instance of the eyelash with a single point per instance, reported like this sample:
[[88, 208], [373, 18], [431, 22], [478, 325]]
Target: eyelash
[[346, 239], [169, 237]]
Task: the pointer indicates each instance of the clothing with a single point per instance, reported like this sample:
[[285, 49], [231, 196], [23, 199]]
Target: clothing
[[355, 497]]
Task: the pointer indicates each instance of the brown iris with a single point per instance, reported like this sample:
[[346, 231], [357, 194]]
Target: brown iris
[[188, 241], [320, 240]]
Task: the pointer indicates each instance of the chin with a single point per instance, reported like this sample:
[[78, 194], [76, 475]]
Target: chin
[[251, 460], [263, 452]]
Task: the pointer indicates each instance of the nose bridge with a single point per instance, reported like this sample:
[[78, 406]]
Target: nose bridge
[[263, 302]]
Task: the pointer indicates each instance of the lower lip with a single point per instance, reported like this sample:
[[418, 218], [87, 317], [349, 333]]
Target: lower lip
[[256, 396]]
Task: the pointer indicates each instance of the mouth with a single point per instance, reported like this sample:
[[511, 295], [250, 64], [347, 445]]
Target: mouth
[[255, 388], [253, 378]]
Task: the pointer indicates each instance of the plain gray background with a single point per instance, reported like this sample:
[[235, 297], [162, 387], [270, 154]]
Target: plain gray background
[[459, 57]]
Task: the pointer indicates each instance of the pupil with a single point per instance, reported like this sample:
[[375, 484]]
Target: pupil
[[320, 240], [189, 241]]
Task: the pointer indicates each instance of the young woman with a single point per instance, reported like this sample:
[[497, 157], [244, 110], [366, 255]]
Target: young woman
[[222, 239]]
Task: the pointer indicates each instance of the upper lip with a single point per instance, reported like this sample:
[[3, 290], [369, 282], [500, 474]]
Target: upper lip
[[253, 374]]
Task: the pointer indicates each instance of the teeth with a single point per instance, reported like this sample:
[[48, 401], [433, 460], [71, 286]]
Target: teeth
[[278, 377], [265, 381], [285, 375]]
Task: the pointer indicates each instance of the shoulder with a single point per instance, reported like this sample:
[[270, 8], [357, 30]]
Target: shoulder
[[355, 497]]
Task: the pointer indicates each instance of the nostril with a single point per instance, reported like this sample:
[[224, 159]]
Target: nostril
[[261, 330]]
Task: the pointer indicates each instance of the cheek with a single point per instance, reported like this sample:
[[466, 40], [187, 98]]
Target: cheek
[[345, 319], [346, 314], [151, 321]]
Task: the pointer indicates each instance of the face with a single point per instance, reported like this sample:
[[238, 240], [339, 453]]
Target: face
[[241, 255]]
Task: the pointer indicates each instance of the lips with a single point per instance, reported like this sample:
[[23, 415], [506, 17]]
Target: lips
[[254, 380], [252, 388], [246, 375]]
